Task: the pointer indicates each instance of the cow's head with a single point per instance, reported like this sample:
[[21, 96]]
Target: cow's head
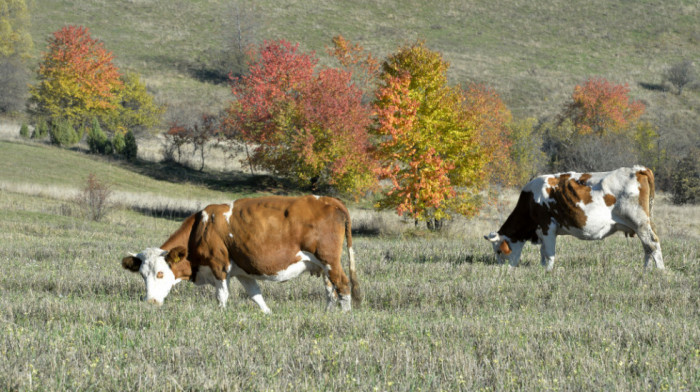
[[505, 249], [156, 268]]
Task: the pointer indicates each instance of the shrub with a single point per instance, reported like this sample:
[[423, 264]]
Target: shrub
[[97, 140], [681, 75], [41, 129], [62, 133], [24, 131], [130, 148], [685, 181], [118, 142], [93, 199]]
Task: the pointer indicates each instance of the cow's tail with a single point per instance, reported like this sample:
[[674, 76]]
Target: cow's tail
[[646, 180], [355, 290]]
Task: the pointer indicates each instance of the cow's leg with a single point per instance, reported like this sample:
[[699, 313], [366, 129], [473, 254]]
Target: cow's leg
[[331, 295], [221, 291], [342, 286], [547, 248], [652, 246], [329, 253], [251, 287]]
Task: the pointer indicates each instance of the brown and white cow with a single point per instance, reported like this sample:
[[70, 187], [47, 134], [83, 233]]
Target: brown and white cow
[[267, 238], [589, 206]]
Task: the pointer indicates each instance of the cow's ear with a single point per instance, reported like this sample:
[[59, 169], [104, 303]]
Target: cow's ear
[[132, 263], [505, 248], [175, 255]]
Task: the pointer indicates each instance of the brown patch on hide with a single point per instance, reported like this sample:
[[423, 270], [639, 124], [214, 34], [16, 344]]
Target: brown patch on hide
[[568, 193], [609, 199], [505, 248]]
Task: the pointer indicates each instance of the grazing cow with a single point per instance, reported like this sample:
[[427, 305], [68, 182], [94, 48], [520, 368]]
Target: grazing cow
[[589, 206], [267, 238]]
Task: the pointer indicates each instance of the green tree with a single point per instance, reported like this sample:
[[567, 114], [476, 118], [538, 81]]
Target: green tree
[[62, 133], [119, 142], [136, 106], [41, 129], [97, 140], [130, 147], [24, 131], [686, 179]]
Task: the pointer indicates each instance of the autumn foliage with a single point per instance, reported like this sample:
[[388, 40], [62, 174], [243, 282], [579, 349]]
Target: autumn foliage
[[428, 137], [599, 107], [77, 81], [354, 58], [488, 113], [306, 124]]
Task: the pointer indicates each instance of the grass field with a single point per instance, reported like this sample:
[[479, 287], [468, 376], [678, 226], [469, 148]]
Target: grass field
[[437, 315]]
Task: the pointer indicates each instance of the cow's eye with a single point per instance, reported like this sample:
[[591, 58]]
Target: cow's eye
[[159, 275]]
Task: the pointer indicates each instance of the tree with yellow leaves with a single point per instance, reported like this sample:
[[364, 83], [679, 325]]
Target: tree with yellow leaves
[[428, 141], [77, 81]]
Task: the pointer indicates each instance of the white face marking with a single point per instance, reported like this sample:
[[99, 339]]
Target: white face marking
[[227, 215], [157, 275], [205, 217], [317, 197]]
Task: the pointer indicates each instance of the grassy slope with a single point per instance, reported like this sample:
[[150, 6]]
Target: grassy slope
[[43, 166], [533, 53], [437, 315]]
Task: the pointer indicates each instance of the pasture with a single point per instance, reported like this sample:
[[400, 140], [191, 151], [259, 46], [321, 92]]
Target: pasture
[[437, 313]]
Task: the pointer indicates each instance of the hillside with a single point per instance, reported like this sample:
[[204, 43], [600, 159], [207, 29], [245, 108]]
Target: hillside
[[533, 53]]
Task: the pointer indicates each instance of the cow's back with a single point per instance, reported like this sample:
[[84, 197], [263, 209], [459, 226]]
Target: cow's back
[[264, 235]]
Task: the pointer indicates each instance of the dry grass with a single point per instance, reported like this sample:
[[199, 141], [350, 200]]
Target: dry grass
[[438, 315]]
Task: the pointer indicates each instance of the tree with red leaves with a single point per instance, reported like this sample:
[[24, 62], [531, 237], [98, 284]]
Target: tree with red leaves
[[305, 125]]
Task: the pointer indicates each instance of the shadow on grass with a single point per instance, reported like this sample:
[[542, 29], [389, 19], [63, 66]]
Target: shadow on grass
[[237, 182], [654, 86], [460, 259]]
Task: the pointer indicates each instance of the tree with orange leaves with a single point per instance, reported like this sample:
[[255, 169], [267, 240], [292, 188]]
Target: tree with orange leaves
[[427, 139], [598, 106], [78, 81], [488, 113]]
